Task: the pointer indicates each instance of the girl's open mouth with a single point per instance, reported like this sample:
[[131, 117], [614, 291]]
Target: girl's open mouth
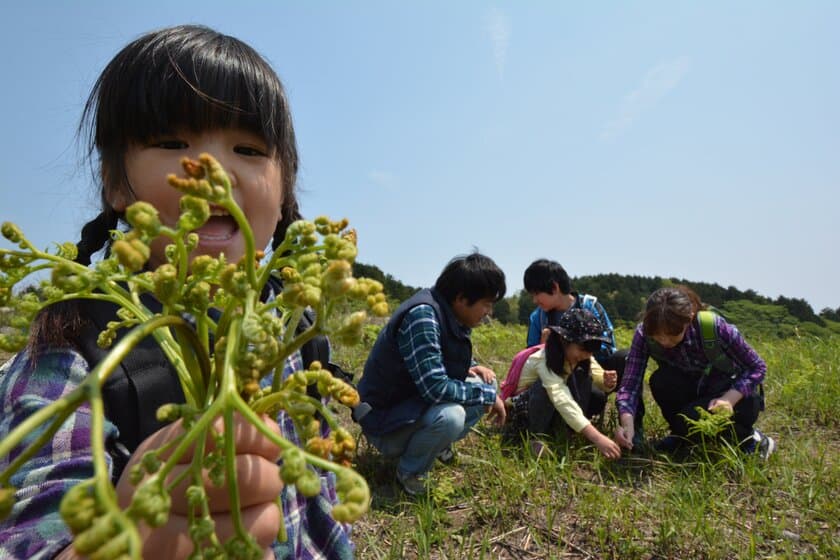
[[220, 227]]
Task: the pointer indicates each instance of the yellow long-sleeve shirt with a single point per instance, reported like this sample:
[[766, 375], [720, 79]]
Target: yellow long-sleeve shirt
[[555, 385]]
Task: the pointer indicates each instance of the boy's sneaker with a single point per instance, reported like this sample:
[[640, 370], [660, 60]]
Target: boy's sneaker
[[413, 484], [760, 444], [447, 455]]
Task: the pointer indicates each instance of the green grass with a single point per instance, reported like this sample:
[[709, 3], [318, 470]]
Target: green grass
[[499, 502]]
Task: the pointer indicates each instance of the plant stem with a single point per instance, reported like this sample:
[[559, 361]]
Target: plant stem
[[280, 441], [250, 255], [102, 481]]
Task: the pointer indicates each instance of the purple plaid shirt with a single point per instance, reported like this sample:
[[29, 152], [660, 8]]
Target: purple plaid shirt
[[689, 355], [35, 528]]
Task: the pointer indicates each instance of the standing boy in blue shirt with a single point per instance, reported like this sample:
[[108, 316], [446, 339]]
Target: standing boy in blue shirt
[[421, 390]]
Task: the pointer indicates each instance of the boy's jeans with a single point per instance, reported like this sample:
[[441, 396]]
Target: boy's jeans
[[419, 443]]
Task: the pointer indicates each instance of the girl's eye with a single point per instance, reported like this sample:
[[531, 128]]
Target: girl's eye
[[249, 151]]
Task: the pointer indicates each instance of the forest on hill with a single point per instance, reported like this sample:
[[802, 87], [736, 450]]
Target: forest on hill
[[623, 296]]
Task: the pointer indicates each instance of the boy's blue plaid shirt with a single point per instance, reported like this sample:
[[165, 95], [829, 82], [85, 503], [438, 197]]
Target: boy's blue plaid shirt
[[35, 528], [419, 343]]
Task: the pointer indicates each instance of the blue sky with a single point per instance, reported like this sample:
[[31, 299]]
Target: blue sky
[[690, 139]]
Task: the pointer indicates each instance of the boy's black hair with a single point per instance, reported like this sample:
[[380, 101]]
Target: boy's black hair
[[474, 277], [541, 275], [191, 78]]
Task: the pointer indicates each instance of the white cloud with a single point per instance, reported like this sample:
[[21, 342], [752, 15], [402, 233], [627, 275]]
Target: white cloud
[[498, 27], [384, 180], [656, 84]]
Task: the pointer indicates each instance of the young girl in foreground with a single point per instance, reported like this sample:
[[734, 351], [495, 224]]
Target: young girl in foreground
[[670, 333], [563, 381], [169, 94]]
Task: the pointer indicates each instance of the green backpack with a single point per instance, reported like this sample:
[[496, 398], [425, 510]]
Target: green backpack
[[711, 345]]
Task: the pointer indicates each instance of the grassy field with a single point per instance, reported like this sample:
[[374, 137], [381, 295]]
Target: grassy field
[[498, 501]]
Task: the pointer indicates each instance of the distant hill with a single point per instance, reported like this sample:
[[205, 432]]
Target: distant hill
[[624, 295], [394, 289]]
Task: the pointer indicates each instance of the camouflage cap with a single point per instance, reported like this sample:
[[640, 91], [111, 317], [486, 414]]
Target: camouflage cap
[[579, 326]]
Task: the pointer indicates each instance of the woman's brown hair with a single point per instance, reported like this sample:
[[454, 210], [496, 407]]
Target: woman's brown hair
[[669, 310]]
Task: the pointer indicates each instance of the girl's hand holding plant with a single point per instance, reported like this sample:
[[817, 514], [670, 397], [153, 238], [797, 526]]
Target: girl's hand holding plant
[[207, 484], [726, 402], [259, 487]]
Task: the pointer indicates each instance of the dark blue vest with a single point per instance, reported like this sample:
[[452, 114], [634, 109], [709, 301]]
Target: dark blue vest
[[386, 384]]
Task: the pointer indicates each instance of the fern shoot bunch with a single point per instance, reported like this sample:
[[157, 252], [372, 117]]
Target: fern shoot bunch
[[710, 423], [222, 363]]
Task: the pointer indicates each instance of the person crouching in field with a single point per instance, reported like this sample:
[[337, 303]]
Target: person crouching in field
[[421, 390], [710, 367], [562, 381], [551, 288]]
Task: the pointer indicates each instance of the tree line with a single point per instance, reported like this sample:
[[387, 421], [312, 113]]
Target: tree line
[[624, 296]]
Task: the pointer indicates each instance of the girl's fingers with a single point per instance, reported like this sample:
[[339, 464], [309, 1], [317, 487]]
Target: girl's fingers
[[249, 440], [258, 480], [260, 521], [173, 540]]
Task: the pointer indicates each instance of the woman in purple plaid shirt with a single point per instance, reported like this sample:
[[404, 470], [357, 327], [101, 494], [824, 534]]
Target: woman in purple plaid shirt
[[687, 378]]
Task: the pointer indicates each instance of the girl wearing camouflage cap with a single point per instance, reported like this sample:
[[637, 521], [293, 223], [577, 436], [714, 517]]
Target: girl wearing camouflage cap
[[562, 385]]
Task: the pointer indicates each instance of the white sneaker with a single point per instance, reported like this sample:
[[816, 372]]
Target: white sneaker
[[764, 445]]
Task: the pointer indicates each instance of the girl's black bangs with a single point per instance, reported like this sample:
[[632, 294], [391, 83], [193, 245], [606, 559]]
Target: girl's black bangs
[[196, 90]]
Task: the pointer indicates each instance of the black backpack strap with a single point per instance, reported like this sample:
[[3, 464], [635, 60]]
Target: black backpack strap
[[317, 349], [141, 383]]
